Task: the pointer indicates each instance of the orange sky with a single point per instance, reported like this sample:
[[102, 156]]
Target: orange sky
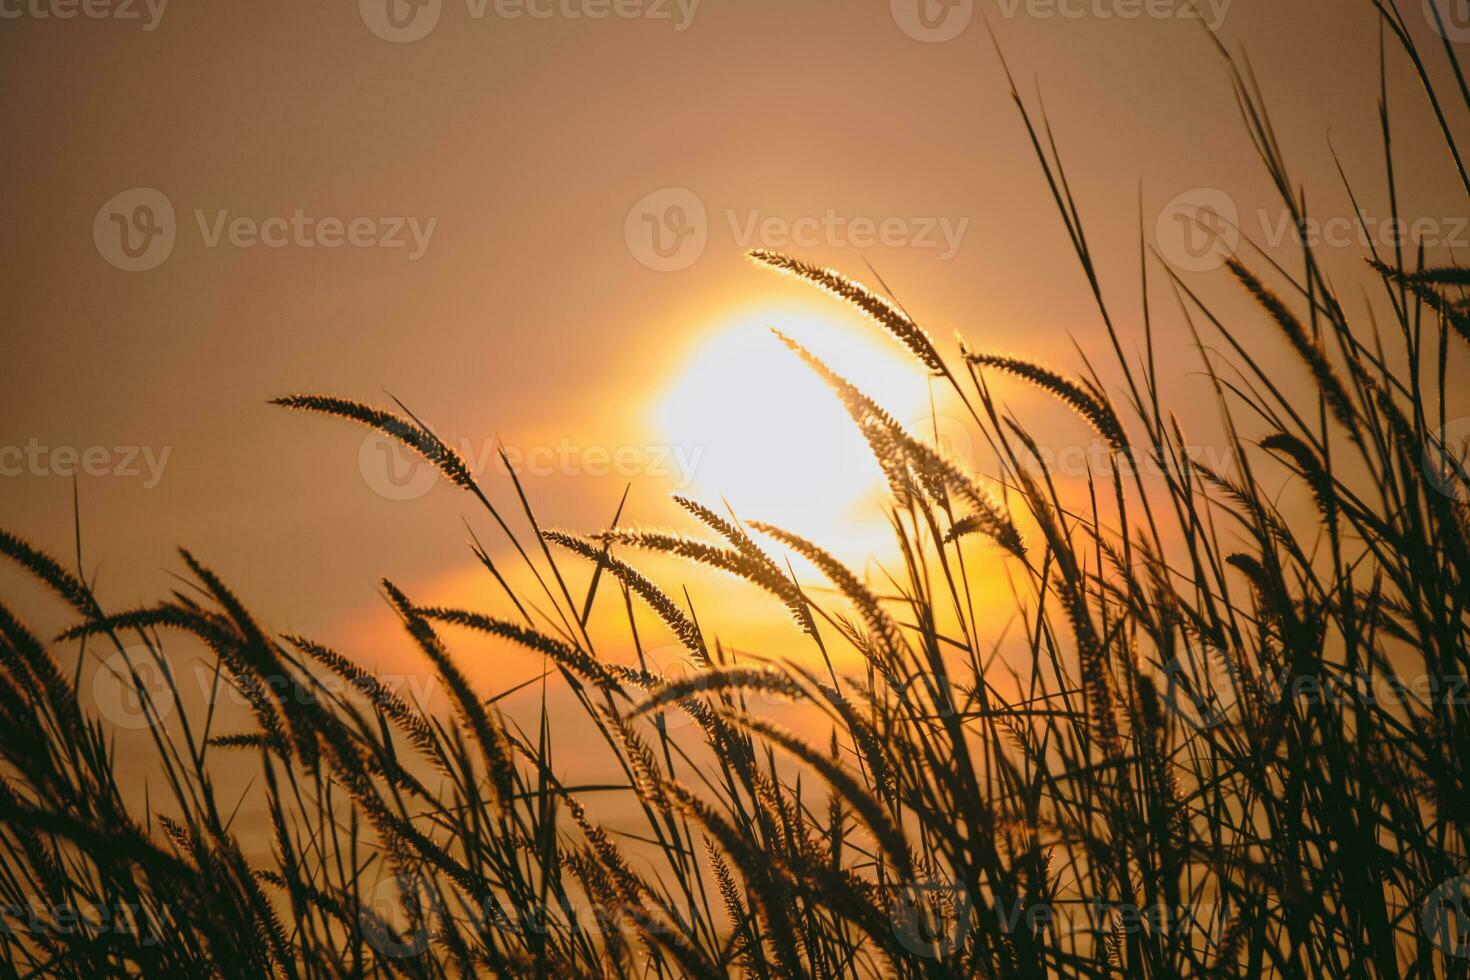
[[529, 155]]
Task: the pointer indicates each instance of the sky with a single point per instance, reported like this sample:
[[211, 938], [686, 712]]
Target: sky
[[526, 221]]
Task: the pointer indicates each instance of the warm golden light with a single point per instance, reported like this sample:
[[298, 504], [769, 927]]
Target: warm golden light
[[774, 440]]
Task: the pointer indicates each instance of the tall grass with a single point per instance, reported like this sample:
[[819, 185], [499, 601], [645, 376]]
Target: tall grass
[[1238, 744]]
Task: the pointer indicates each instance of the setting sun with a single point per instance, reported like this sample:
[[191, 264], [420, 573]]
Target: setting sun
[[774, 440]]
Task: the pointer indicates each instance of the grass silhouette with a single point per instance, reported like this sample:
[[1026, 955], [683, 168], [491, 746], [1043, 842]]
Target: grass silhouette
[[1197, 773]]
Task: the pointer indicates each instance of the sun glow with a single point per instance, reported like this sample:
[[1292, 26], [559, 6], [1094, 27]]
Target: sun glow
[[774, 440]]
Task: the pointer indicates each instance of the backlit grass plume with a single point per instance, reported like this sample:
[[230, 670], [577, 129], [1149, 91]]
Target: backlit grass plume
[[1090, 404], [884, 311]]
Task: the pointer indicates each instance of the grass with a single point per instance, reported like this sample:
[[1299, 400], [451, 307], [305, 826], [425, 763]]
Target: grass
[[1238, 744]]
